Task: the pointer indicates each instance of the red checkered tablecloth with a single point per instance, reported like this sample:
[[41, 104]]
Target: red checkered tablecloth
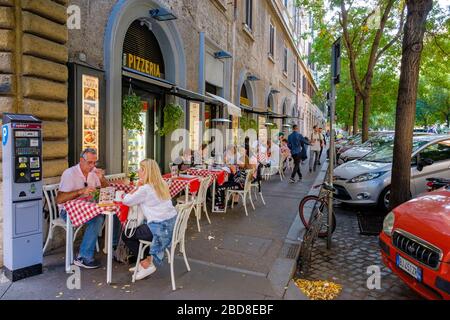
[[81, 211], [178, 184], [219, 176], [123, 187]]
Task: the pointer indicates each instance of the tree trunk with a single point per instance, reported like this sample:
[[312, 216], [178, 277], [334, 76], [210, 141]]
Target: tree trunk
[[406, 100], [356, 113], [366, 113]]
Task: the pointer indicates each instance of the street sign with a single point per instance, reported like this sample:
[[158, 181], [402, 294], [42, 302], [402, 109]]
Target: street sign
[[336, 61]]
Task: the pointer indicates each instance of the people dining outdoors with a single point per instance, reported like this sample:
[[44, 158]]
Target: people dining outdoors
[[185, 161], [236, 178], [153, 198], [77, 182]]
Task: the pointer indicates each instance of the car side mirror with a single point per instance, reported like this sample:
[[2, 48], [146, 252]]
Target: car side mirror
[[423, 163]]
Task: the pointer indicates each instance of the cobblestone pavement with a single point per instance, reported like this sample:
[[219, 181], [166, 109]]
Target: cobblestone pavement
[[347, 263]]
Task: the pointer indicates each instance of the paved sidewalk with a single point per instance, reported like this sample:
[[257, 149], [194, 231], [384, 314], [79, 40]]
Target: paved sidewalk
[[236, 257], [347, 262]]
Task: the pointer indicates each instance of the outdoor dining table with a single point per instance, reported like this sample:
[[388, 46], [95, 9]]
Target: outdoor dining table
[[80, 211], [219, 176]]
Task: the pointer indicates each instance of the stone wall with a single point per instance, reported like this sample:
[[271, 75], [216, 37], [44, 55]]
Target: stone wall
[[33, 73]]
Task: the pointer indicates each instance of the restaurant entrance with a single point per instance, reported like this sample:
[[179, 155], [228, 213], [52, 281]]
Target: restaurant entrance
[[138, 145]]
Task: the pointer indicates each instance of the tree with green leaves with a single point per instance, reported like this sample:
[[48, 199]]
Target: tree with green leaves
[[407, 96]]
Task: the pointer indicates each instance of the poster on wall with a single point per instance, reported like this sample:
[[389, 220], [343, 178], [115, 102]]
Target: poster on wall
[[90, 123]]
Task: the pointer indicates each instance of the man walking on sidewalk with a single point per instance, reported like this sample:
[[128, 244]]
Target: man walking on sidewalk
[[323, 144], [316, 143], [296, 143]]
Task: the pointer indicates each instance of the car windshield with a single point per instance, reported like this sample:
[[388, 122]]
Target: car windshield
[[385, 153], [377, 141]]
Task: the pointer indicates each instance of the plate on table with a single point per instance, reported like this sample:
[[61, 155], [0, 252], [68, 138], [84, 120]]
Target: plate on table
[[187, 176]]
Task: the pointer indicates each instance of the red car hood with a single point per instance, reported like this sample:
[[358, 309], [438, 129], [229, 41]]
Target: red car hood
[[427, 217]]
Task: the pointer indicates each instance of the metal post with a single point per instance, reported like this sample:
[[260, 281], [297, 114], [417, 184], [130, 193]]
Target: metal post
[[201, 80], [335, 70]]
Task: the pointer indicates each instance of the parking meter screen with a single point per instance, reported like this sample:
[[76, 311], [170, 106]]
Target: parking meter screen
[[27, 156]]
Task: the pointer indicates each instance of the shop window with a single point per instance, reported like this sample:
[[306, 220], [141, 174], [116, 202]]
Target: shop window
[[249, 13], [272, 41]]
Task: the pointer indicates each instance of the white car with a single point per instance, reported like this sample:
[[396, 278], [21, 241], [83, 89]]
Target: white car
[[367, 181]]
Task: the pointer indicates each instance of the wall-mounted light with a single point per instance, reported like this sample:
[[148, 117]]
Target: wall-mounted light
[[162, 14], [253, 78], [222, 55], [221, 120]]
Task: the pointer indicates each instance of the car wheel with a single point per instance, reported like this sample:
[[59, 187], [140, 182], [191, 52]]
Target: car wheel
[[383, 201]]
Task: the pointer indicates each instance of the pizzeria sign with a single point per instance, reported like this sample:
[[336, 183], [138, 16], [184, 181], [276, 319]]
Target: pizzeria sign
[[142, 65]]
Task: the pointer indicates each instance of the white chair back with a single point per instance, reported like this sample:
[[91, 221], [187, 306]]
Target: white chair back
[[203, 190], [248, 180], [116, 177], [184, 211], [50, 193]]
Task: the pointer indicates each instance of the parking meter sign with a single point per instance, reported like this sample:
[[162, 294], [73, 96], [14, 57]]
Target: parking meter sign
[[5, 133]]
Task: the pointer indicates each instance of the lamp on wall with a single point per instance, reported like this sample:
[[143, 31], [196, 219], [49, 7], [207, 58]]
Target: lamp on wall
[[162, 14], [253, 78], [222, 55]]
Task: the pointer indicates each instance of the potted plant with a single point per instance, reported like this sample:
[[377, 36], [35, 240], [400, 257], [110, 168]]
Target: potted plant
[[133, 177], [173, 113]]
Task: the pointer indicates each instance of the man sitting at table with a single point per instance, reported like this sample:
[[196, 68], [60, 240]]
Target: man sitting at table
[[80, 181]]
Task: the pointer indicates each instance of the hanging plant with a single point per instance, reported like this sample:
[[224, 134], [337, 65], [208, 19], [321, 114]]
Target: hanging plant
[[173, 113], [131, 112]]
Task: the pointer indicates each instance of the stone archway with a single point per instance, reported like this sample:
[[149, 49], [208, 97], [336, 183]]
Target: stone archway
[[124, 13], [249, 87]]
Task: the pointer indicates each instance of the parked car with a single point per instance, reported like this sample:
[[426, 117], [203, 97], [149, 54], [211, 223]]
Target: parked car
[[357, 152], [360, 151], [415, 244], [367, 181]]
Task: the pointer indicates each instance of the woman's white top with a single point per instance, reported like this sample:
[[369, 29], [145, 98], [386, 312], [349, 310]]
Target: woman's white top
[[153, 208], [315, 141]]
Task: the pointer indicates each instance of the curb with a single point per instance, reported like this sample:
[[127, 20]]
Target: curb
[[283, 270]]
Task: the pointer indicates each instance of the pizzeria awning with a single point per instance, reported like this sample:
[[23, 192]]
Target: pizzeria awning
[[232, 109], [191, 95]]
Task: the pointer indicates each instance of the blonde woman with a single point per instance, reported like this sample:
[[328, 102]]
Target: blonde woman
[[153, 198]]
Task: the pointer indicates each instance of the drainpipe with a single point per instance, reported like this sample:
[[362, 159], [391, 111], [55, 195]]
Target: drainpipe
[[201, 64], [201, 81]]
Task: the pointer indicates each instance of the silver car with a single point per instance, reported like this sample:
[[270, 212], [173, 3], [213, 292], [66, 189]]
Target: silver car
[[370, 145], [367, 181], [360, 151]]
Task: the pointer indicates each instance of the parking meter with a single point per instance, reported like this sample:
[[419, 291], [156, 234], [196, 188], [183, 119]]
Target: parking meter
[[22, 196]]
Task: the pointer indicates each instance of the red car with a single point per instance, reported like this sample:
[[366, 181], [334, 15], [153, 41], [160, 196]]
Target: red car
[[415, 244]]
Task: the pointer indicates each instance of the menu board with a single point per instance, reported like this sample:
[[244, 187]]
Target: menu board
[[262, 129], [90, 117], [194, 126]]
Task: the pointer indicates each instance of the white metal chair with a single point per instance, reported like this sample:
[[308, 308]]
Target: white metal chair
[[256, 185], [178, 237], [116, 177], [55, 221], [200, 200], [242, 193]]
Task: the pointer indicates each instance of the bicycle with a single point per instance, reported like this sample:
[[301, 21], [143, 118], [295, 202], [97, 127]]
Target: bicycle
[[311, 203]]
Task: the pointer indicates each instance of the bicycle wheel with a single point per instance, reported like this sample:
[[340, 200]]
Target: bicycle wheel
[[308, 205]]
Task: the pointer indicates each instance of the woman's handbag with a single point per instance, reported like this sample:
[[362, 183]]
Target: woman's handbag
[[135, 219]]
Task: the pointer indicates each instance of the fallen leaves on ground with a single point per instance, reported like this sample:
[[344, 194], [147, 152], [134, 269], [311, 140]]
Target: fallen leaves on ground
[[319, 290]]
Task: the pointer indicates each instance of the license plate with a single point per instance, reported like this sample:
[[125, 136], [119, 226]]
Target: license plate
[[409, 268]]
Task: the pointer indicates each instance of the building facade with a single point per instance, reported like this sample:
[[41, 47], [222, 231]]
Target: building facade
[[74, 74]]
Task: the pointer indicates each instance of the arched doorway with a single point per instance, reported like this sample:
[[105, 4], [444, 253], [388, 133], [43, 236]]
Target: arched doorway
[[123, 15], [142, 53]]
